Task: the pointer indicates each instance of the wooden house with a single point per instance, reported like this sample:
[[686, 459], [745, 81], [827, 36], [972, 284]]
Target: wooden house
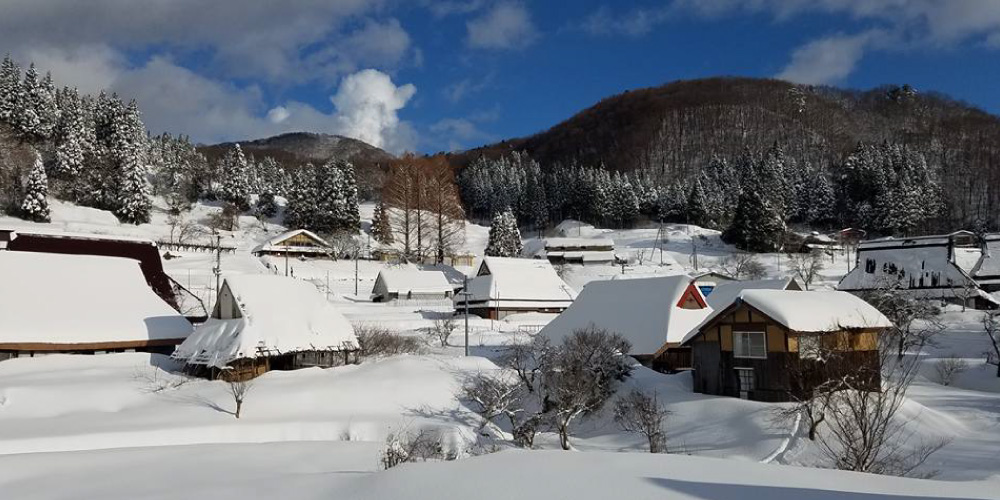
[[770, 345], [579, 251], [707, 281], [504, 286], [297, 243], [411, 284], [263, 322], [144, 251], [81, 304], [942, 267], [653, 314]]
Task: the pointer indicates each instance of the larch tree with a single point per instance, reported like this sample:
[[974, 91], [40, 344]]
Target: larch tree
[[444, 206]]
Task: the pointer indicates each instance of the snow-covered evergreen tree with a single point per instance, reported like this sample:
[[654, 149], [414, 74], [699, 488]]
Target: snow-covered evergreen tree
[[26, 119], [758, 226], [235, 186], [624, 204], [505, 237], [698, 210], [11, 91], [133, 204], [35, 205], [69, 135], [381, 229]]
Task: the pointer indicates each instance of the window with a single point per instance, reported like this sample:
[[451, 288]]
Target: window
[[749, 345], [746, 380], [809, 347]]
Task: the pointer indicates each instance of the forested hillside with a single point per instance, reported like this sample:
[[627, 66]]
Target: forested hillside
[[679, 133]]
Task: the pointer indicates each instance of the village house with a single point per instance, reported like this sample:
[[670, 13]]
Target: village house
[[729, 291], [708, 281], [81, 304], [411, 284], [297, 243], [986, 273], [504, 286], [771, 345], [927, 267], [143, 251], [262, 323], [653, 314], [580, 251]]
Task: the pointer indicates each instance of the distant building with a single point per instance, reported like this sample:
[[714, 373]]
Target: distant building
[[767, 344], [411, 284], [653, 314], [727, 292], [929, 267], [297, 243], [144, 251], [52, 303], [504, 286], [581, 251], [707, 281], [263, 322]]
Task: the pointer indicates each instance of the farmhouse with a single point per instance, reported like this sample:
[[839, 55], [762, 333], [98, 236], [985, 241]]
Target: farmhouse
[[650, 313], [52, 303], [505, 286], [769, 345], [297, 243], [708, 281], [582, 251], [411, 284], [144, 251], [264, 322], [727, 292], [986, 273], [928, 267]]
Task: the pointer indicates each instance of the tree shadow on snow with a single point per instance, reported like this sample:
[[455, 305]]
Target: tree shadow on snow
[[726, 491]]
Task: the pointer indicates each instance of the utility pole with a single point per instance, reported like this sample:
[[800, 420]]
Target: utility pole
[[286, 261], [694, 254], [356, 252], [465, 293], [328, 285], [218, 263]]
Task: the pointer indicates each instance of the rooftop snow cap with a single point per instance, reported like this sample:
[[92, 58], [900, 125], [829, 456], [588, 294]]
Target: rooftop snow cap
[[77, 299], [509, 280], [278, 315], [647, 312]]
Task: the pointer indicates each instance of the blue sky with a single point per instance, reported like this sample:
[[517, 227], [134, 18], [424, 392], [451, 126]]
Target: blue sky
[[426, 75]]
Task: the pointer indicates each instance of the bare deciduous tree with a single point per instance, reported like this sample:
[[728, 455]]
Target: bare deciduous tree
[[402, 447], [916, 321], [806, 266], [377, 341], [641, 413], [743, 266], [239, 389], [184, 230], [965, 294], [991, 327], [495, 396], [949, 368], [441, 330]]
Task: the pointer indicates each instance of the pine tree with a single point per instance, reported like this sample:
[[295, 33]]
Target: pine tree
[[35, 205], [235, 186], [381, 230], [505, 237], [758, 226], [132, 204], [11, 91], [26, 119], [697, 206], [69, 136]]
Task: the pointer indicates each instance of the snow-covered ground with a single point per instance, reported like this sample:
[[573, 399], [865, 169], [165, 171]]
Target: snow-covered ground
[[123, 426]]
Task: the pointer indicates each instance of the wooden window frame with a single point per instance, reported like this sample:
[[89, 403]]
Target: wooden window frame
[[750, 354]]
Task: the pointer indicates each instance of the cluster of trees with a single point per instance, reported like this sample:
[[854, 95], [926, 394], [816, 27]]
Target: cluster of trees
[[504, 237], [884, 188], [323, 199], [420, 211]]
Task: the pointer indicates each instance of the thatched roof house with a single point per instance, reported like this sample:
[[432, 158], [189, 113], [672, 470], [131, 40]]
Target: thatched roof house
[[411, 284], [505, 286]]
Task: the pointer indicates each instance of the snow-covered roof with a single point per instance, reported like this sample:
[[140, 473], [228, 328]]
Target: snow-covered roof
[[55, 233], [403, 280], [518, 283], [810, 312], [920, 266], [76, 299], [726, 292], [967, 258], [989, 265], [280, 315], [277, 243], [644, 311], [583, 255], [578, 243]]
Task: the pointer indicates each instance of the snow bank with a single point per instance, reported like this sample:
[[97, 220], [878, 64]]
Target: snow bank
[[75, 299], [279, 315]]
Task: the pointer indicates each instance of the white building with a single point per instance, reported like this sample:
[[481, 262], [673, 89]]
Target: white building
[[51, 303], [411, 284], [504, 286], [297, 243]]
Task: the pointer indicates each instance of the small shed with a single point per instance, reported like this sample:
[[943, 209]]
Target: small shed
[[771, 345], [265, 322], [297, 243], [581, 251], [648, 312], [84, 304], [506, 285], [411, 284]]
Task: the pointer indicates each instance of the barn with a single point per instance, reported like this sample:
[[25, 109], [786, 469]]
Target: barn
[[82, 304], [264, 322], [297, 243], [648, 312], [765, 345], [411, 284], [504, 286]]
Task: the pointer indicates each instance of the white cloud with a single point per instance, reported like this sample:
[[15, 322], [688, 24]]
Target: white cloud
[[278, 114], [633, 23], [367, 104], [465, 87], [827, 60], [505, 26], [443, 8]]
